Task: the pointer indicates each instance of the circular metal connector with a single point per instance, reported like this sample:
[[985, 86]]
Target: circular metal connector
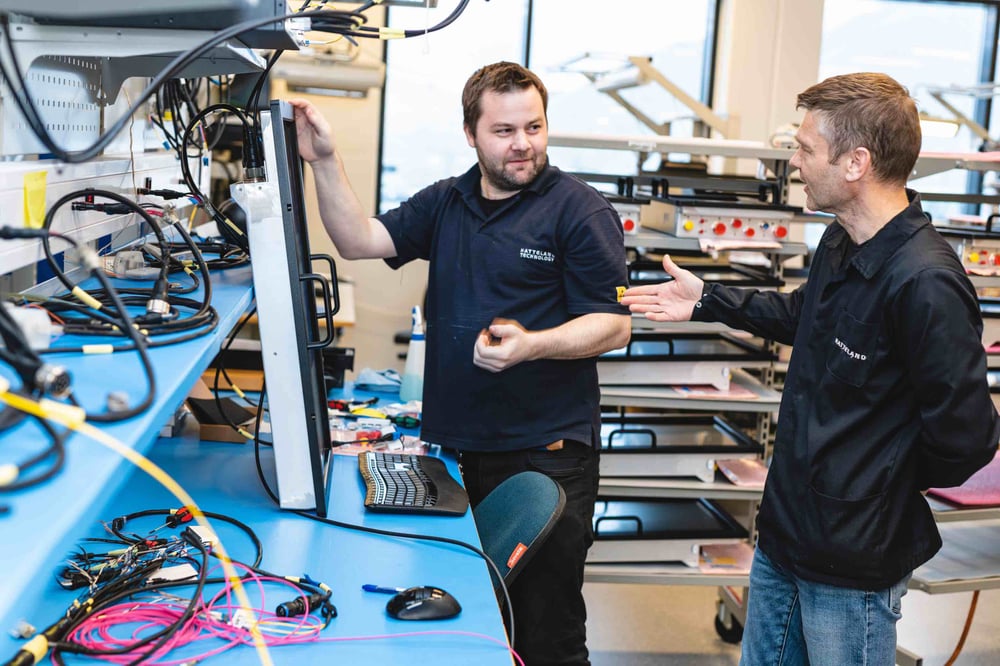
[[53, 380], [254, 175]]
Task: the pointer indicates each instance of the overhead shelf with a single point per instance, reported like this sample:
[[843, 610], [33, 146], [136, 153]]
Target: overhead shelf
[[671, 144], [121, 53]]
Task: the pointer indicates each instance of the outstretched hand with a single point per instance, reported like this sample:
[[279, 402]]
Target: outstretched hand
[[668, 301], [314, 133]]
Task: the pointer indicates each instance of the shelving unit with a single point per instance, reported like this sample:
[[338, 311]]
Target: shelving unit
[[761, 404]]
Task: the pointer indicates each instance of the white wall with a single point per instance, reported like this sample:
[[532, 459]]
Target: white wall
[[768, 52]]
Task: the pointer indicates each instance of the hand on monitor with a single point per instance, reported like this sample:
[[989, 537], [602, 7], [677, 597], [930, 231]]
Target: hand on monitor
[[314, 133]]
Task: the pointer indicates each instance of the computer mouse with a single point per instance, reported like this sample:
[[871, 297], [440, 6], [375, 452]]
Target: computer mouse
[[422, 603]]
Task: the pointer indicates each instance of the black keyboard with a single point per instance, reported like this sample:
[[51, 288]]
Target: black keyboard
[[411, 484]]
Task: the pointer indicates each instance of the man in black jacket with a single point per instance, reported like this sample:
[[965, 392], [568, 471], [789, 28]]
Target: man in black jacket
[[886, 392]]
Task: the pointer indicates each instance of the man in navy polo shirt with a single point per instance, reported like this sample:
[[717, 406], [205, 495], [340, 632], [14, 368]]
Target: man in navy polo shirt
[[527, 267]]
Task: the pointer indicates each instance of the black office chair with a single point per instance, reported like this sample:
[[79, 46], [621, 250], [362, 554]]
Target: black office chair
[[515, 519]]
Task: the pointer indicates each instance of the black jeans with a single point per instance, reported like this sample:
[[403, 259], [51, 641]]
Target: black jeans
[[549, 611]]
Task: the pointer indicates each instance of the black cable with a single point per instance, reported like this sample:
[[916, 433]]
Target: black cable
[[372, 530], [179, 517], [140, 346], [126, 325], [257, 443], [220, 368], [91, 192], [30, 112], [153, 320], [345, 23], [158, 638], [251, 156], [424, 537], [110, 324], [56, 451]]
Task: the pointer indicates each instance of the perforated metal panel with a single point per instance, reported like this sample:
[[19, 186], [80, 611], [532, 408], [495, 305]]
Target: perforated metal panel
[[64, 90]]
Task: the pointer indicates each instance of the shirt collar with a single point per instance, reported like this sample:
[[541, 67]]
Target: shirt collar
[[874, 253]]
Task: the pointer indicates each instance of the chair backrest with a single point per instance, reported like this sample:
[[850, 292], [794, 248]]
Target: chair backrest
[[516, 518]]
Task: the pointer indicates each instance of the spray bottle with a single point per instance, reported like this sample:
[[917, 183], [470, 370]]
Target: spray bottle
[[412, 387]]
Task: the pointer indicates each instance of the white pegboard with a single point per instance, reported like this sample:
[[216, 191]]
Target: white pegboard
[[115, 174], [72, 71], [63, 89]]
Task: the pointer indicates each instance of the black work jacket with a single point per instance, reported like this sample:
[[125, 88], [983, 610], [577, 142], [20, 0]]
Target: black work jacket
[[885, 396]]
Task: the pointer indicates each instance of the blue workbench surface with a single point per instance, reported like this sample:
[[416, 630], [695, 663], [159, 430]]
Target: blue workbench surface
[[45, 522]]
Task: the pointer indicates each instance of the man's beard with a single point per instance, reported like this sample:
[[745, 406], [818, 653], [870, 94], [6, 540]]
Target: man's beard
[[500, 180]]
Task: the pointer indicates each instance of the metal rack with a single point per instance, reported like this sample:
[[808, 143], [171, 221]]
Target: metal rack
[[762, 406]]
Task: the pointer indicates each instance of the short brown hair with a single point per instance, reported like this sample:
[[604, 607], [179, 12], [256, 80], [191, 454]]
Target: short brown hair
[[871, 110], [499, 77]]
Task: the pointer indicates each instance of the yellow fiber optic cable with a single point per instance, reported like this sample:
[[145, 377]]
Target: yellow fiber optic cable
[[74, 419]]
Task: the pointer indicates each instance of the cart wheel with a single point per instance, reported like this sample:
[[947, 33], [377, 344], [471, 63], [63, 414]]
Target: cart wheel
[[732, 634]]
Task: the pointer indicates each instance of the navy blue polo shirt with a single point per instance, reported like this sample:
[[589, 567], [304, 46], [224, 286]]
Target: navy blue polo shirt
[[553, 251]]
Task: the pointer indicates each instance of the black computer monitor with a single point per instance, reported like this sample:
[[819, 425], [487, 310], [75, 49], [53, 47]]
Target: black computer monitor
[[285, 286]]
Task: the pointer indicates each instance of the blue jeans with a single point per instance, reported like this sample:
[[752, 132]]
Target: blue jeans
[[795, 621]]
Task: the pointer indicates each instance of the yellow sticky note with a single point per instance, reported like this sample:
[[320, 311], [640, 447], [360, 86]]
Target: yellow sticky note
[[34, 199]]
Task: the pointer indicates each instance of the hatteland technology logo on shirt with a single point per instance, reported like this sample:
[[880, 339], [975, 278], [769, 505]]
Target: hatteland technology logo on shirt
[[619, 293], [537, 255]]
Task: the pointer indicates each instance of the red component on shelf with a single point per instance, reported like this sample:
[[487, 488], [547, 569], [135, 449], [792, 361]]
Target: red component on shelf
[[781, 232], [737, 223], [750, 232], [628, 224], [719, 228]]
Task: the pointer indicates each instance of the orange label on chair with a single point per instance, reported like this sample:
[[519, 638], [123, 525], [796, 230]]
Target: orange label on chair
[[519, 550]]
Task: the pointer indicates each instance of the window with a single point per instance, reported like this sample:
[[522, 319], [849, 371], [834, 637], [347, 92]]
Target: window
[[424, 78], [923, 45], [675, 35]]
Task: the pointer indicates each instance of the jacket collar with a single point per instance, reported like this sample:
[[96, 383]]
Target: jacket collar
[[873, 254]]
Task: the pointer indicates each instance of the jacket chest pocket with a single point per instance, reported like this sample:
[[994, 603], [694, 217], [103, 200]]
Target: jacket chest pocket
[[851, 355]]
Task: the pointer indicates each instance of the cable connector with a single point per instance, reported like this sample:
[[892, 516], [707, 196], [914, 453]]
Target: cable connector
[[181, 515], [297, 606], [162, 193], [53, 380], [14, 232], [253, 155], [108, 208]]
